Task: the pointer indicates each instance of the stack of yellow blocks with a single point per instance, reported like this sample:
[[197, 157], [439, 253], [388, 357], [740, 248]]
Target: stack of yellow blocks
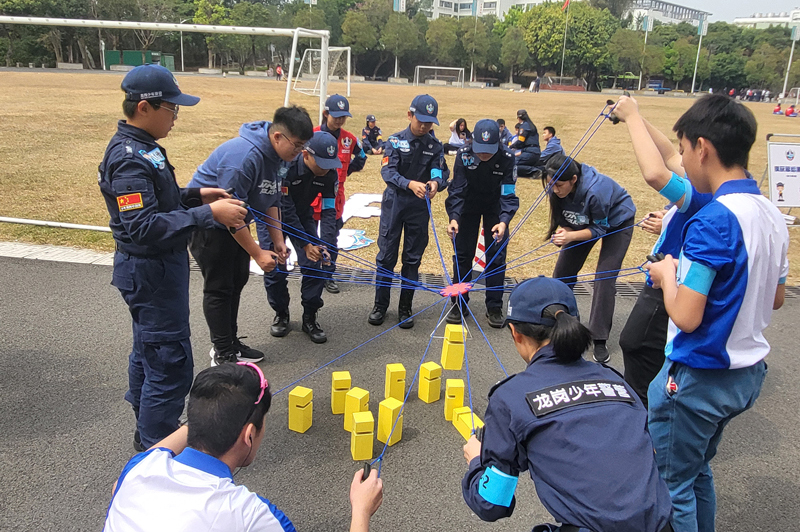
[[356, 400], [453, 397], [395, 382], [388, 413], [300, 408], [465, 421], [340, 385], [430, 382], [362, 435], [453, 347]]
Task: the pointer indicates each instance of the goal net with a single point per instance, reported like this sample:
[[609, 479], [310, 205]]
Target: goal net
[[436, 75], [793, 96], [307, 79]]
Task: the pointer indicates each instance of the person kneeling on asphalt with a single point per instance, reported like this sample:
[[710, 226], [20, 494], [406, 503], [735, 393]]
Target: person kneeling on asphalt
[[483, 186], [185, 482], [312, 173], [573, 424]]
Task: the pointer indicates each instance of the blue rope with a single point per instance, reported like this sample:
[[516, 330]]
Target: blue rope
[[466, 366], [487, 340], [347, 353], [379, 459], [436, 239], [638, 271]]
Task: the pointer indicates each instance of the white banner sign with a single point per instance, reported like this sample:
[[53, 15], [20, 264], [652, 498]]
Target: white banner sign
[[784, 173]]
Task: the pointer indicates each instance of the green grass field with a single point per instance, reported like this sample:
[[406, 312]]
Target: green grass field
[[55, 126]]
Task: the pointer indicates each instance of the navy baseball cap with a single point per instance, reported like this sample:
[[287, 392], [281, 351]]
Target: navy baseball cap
[[528, 300], [337, 106], [324, 147], [370, 118], [425, 108], [486, 136], [147, 82]]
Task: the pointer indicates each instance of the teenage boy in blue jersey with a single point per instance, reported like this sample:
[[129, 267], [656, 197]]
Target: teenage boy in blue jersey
[[719, 293]]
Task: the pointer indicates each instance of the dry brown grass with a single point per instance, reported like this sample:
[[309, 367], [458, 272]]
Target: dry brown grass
[[55, 126]]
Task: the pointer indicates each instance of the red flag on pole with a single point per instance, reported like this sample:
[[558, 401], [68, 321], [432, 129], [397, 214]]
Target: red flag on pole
[[566, 4]]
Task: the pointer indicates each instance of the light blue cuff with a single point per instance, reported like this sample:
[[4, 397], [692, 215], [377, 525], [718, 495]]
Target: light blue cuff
[[328, 203], [507, 190], [497, 488], [695, 276], [782, 280], [436, 173], [675, 189]]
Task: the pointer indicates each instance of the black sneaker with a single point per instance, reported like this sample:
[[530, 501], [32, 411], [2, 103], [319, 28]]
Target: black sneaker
[[313, 330], [221, 357], [247, 353], [137, 442], [601, 354], [496, 318], [377, 316], [331, 286], [404, 317], [454, 316], [280, 325]]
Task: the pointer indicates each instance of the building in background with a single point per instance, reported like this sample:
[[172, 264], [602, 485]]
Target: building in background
[[761, 21], [666, 12]]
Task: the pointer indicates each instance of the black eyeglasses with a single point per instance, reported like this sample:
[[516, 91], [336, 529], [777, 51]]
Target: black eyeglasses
[[173, 109], [298, 146]]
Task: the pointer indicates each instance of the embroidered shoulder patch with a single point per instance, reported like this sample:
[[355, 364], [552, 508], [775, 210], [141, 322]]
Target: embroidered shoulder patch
[[130, 202], [555, 398]]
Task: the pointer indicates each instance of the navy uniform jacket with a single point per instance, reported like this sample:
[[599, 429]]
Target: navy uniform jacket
[[527, 139], [249, 165], [300, 189], [409, 158], [598, 203], [483, 187], [592, 463], [505, 137], [150, 214], [372, 137]]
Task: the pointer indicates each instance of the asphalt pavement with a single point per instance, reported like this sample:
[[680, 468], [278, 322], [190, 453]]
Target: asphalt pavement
[[66, 432]]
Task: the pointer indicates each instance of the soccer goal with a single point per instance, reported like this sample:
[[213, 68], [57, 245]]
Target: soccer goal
[[308, 78], [436, 75], [794, 94]]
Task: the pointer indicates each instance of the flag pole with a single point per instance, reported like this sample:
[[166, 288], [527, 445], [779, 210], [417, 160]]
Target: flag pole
[[564, 48]]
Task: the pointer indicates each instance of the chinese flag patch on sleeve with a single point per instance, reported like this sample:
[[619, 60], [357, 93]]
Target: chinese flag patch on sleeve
[[385, 161], [130, 202]]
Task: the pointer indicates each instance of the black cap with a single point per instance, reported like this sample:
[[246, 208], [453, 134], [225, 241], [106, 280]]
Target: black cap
[[486, 136], [425, 108], [337, 106], [147, 82], [325, 149], [370, 118]]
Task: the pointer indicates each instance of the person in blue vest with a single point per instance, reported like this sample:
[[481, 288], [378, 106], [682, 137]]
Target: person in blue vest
[[312, 174], [505, 134], [587, 206], [185, 481], [252, 165], [526, 147], [372, 137], [483, 187], [572, 424], [151, 220], [413, 168]]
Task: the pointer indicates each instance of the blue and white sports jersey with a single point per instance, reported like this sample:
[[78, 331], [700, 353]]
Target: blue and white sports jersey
[[734, 252], [669, 243], [188, 492]]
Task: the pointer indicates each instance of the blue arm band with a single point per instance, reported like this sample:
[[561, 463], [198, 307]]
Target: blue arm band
[[675, 189], [695, 276], [328, 203], [497, 488], [507, 190], [782, 280], [436, 173]]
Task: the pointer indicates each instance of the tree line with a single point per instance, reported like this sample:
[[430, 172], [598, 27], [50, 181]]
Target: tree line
[[602, 41]]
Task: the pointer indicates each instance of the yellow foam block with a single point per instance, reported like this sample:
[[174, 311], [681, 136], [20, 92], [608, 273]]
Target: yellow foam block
[[453, 397], [452, 355], [362, 436], [430, 370], [430, 382], [455, 333], [301, 409], [395, 382], [356, 400], [464, 421], [388, 411], [340, 385]]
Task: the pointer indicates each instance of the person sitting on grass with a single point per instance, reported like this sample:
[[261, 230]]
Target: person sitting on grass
[[459, 136], [185, 482]]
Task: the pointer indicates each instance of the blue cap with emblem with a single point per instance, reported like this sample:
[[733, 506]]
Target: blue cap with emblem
[[337, 106], [530, 298], [425, 108], [324, 147], [486, 136], [150, 82]]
